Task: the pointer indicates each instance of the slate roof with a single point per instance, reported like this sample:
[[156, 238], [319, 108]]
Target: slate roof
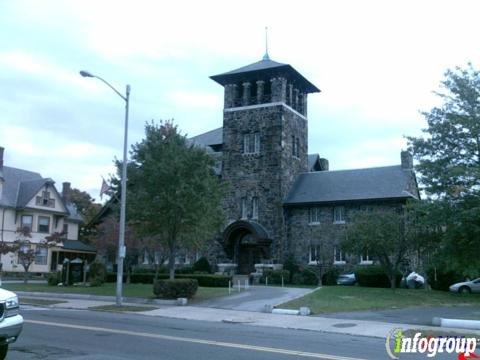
[[13, 178], [267, 68], [389, 182], [20, 186], [77, 245], [212, 137]]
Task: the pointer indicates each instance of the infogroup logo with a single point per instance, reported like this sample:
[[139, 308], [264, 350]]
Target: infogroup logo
[[398, 343]]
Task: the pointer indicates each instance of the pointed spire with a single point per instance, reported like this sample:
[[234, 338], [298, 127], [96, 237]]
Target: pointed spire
[[266, 57]]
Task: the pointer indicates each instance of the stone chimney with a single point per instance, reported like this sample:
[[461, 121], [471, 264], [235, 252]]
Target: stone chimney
[[324, 166], [2, 150], [66, 190], [407, 160]]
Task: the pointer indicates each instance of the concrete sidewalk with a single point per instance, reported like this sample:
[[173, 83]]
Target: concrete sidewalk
[[311, 323]]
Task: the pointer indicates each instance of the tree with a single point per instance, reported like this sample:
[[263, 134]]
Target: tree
[[449, 155], [383, 235], [173, 194], [449, 163]]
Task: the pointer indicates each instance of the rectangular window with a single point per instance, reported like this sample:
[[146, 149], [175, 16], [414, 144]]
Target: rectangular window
[[65, 231], [257, 142], [339, 215], [251, 143], [314, 216], [244, 208], [297, 147], [314, 253], [27, 222], [41, 254], [43, 224], [365, 258], [338, 256], [294, 144], [255, 207]]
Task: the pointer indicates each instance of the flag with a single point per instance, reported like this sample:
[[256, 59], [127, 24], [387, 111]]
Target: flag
[[105, 188]]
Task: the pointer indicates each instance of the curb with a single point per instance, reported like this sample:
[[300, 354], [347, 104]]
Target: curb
[[133, 300], [456, 323]]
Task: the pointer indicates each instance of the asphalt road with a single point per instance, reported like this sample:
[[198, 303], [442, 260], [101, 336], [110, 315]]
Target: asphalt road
[[82, 334]]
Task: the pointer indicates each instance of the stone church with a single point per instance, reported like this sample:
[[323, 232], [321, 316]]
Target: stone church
[[283, 201]]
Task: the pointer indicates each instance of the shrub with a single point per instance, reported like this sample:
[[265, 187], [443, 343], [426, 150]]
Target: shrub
[[173, 289], [95, 282], [292, 266], [374, 276], [97, 273], [444, 279], [184, 270], [202, 265], [54, 278], [275, 276], [305, 277], [330, 277]]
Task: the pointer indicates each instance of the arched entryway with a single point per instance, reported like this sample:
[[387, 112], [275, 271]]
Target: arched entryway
[[247, 243]]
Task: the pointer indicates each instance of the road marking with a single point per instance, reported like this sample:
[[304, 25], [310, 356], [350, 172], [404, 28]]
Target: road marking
[[196, 341]]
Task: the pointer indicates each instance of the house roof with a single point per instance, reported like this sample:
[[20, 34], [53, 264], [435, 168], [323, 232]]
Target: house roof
[[77, 245], [265, 68], [389, 182], [13, 178], [20, 186], [212, 137]]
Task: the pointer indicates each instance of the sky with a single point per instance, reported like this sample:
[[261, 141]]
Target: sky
[[376, 62]]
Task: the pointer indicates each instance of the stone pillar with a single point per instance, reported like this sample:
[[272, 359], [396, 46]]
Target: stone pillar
[[290, 94], [229, 99], [407, 160], [295, 99], [300, 103], [260, 90], [279, 89], [305, 102], [246, 93]]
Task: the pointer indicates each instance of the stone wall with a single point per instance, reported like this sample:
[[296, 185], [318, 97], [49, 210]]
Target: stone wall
[[301, 235], [268, 174]]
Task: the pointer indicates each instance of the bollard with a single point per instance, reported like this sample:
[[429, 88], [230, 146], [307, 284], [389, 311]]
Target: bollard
[[266, 280], [238, 284], [282, 281], [229, 287]]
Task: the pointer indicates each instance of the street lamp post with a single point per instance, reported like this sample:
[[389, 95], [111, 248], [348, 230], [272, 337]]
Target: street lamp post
[[123, 198]]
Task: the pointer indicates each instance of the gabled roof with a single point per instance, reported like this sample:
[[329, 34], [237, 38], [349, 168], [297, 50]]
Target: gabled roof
[[389, 182], [212, 137], [268, 68], [20, 186], [13, 177], [28, 189]]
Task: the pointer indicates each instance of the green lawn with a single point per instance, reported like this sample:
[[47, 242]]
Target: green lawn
[[354, 298], [108, 289]]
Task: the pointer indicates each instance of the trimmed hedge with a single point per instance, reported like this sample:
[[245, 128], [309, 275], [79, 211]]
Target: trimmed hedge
[[444, 279], [305, 277], [54, 278], [330, 277], [275, 277], [202, 265], [374, 276], [173, 289], [205, 280]]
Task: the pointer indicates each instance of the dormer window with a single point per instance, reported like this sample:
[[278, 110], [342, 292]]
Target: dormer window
[[45, 200]]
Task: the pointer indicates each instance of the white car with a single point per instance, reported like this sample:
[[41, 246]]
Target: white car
[[11, 322], [472, 286]]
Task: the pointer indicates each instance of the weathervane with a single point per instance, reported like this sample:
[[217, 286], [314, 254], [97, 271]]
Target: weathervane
[[266, 57]]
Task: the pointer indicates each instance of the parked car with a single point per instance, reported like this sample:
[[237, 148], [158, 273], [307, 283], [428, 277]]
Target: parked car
[[466, 286], [11, 322], [346, 279]]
